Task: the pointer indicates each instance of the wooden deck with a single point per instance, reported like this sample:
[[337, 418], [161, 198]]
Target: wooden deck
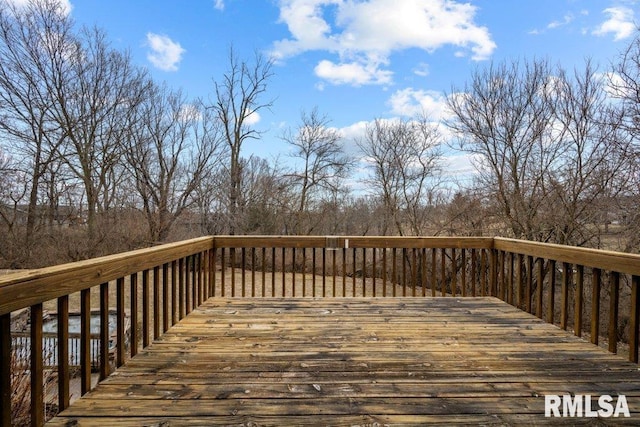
[[355, 361]]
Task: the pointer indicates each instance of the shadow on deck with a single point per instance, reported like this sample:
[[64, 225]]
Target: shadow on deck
[[356, 361]]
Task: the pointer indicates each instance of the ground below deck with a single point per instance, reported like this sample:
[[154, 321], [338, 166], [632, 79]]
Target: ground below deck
[[355, 361]]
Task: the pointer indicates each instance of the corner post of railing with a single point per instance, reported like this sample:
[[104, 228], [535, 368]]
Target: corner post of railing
[[5, 370], [634, 319]]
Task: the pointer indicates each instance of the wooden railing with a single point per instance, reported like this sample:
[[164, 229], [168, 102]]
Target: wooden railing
[[161, 284], [571, 287], [527, 277]]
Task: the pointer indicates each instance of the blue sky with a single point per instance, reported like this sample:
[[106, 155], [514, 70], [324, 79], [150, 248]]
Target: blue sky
[[356, 60]]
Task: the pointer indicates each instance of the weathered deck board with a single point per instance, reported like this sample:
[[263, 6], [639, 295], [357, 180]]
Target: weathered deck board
[[355, 361]]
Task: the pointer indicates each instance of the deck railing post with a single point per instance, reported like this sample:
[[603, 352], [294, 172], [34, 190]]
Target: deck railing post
[[5, 370], [63, 353], [493, 279], [634, 318]]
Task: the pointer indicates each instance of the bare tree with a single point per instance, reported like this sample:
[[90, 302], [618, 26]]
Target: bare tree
[[593, 164], [173, 148], [504, 118], [34, 39], [238, 102], [404, 157], [95, 108], [624, 84], [320, 167]]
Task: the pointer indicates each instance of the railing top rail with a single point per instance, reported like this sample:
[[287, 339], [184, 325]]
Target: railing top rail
[[621, 262], [352, 242], [31, 287]]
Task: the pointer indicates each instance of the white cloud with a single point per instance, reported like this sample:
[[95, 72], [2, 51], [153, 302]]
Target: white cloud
[[413, 102], [355, 74], [354, 131], [614, 84], [568, 18], [165, 53], [218, 4], [365, 33], [461, 165], [620, 23], [421, 70], [252, 119]]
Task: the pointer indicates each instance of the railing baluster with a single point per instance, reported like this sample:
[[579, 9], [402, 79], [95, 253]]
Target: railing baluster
[[165, 297], [520, 291], [181, 288], [333, 270], [474, 260], [443, 270], [353, 276], [540, 286], [313, 272], [188, 288], [564, 310], [133, 300], [614, 283], [120, 322], [104, 331], [529, 284], [552, 292], [423, 275], [364, 272], [414, 272], [454, 273], [304, 271], [344, 271], [373, 270], [232, 262], [433, 273], [595, 305], [36, 367], [579, 300], [253, 271], [384, 272], [174, 291], [223, 273], [156, 302], [273, 272], [85, 340], [195, 281], [293, 272], [284, 274], [503, 283], [243, 270], [264, 272], [463, 277], [394, 271], [324, 272], [513, 280], [145, 309], [63, 352]]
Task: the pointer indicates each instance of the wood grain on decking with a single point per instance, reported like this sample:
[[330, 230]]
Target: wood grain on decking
[[355, 361]]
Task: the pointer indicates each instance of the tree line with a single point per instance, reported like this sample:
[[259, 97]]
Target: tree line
[[97, 157]]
